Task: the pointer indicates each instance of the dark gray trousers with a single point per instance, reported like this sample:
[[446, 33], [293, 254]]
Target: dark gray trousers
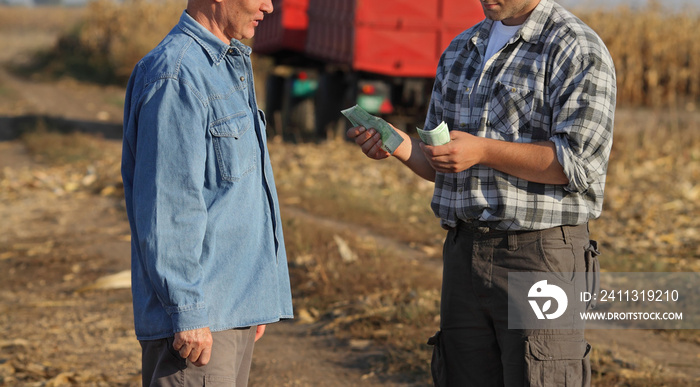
[[231, 358], [474, 346]]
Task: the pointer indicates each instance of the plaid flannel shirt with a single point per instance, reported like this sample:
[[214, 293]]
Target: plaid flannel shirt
[[554, 80]]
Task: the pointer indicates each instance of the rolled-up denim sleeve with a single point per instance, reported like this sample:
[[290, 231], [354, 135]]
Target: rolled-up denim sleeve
[[169, 208], [584, 107]]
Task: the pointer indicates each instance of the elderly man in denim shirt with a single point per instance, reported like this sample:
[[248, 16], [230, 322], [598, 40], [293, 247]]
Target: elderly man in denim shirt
[[209, 267]]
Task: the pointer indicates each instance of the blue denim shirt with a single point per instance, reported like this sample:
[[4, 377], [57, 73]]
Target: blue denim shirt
[[206, 235]]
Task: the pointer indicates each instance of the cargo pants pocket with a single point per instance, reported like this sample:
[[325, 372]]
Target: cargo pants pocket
[[557, 361], [437, 363], [592, 273]]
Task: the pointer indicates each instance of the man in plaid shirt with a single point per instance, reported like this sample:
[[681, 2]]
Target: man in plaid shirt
[[529, 97]]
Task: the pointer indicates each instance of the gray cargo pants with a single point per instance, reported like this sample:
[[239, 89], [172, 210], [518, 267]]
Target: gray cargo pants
[[474, 346], [231, 358]]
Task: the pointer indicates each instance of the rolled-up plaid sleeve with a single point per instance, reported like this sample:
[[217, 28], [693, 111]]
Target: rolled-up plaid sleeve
[[584, 107]]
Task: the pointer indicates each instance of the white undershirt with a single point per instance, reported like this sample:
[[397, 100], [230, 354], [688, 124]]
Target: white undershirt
[[500, 35]]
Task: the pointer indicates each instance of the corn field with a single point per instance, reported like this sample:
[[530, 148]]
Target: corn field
[[656, 55], [656, 52]]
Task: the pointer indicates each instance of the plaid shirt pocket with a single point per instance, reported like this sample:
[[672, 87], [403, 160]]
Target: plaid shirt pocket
[[511, 110]]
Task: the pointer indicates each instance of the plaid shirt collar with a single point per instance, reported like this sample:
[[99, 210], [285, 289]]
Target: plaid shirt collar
[[530, 31]]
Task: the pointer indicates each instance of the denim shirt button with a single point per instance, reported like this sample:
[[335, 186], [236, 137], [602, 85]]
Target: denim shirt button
[[242, 79]]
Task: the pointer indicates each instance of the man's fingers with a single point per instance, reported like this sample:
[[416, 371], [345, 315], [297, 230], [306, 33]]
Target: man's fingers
[[194, 345], [427, 150], [353, 132], [204, 358], [439, 161], [259, 332], [367, 146], [376, 152], [194, 354], [179, 345], [435, 151], [200, 356], [184, 351], [370, 140], [366, 136]]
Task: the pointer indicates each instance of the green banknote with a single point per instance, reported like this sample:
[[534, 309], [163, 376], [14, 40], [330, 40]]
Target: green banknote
[[438, 136], [359, 117]]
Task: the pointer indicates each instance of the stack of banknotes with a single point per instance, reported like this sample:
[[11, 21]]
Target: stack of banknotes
[[390, 139], [359, 117], [438, 136]]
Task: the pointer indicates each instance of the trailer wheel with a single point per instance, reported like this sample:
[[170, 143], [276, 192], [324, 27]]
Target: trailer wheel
[[290, 117], [274, 92], [301, 118], [331, 98]]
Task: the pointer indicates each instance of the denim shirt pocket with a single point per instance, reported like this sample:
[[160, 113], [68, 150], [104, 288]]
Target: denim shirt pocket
[[235, 145], [511, 109]]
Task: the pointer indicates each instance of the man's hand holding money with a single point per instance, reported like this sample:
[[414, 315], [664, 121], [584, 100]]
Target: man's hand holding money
[[370, 141], [460, 153], [438, 136]]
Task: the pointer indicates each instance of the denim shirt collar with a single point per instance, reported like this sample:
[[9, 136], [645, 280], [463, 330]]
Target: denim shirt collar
[[213, 46]]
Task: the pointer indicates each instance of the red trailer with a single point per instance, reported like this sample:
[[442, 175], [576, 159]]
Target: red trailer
[[285, 28], [331, 54]]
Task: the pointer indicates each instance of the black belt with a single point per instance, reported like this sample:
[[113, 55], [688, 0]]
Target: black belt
[[475, 226], [483, 228]]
